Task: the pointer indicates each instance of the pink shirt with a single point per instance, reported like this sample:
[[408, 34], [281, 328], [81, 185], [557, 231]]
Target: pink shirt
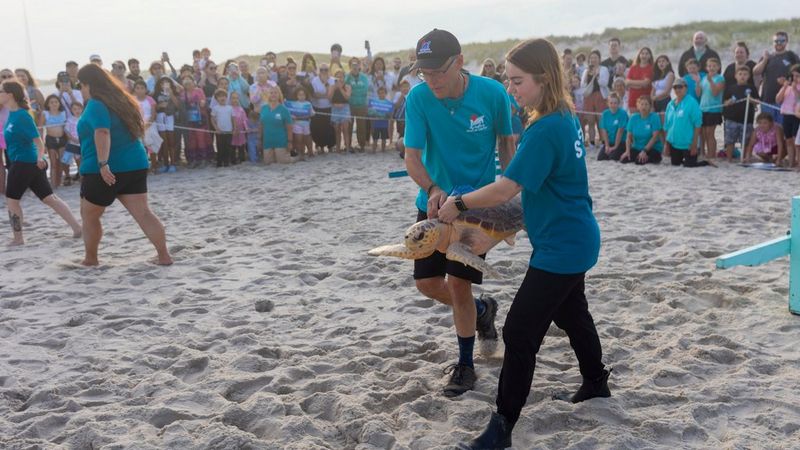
[[240, 125], [789, 101], [3, 119]]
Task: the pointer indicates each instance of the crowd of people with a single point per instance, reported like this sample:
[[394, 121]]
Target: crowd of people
[[643, 110], [630, 110]]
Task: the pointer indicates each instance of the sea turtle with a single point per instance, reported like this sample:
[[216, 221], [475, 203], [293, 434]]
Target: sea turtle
[[472, 233]]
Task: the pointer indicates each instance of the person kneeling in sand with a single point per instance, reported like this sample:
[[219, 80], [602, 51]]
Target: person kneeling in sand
[[276, 128]]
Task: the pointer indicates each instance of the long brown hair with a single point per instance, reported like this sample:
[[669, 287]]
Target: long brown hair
[[105, 88], [539, 58], [16, 90]]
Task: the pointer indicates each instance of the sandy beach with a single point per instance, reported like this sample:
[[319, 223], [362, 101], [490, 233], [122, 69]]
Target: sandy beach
[[275, 330]]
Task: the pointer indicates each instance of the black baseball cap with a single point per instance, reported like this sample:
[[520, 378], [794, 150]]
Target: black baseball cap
[[435, 48], [62, 76]]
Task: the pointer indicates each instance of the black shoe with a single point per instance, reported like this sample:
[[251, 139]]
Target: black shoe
[[462, 380], [496, 436], [589, 389], [484, 324]]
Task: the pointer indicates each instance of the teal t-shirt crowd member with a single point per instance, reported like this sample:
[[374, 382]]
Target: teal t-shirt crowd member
[[127, 154], [274, 122], [454, 121], [682, 122], [612, 123]]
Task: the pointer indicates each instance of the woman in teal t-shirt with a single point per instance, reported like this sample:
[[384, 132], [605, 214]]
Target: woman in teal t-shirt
[[549, 169], [26, 162], [276, 128], [644, 135], [114, 162]]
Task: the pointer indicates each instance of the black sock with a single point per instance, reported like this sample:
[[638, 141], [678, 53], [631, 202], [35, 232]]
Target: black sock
[[465, 347]]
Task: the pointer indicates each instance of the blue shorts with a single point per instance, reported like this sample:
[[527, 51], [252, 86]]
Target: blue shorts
[[734, 131], [340, 114]]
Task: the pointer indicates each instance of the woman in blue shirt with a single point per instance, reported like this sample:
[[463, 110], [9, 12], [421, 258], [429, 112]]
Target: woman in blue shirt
[[27, 165], [276, 128], [644, 138], [549, 168], [114, 162]]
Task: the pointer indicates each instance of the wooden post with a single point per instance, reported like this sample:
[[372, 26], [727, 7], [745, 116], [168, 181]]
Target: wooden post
[[794, 259]]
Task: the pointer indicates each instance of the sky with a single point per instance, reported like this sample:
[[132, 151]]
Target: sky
[[74, 29]]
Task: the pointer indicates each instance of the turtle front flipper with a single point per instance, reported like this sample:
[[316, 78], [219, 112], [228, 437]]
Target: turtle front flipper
[[399, 251], [461, 253]]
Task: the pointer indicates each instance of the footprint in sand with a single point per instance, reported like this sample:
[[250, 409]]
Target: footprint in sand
[[241, 391], [192, 370]]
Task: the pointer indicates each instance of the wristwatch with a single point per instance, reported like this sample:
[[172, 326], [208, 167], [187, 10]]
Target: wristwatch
[[460, 203], [102, 164]]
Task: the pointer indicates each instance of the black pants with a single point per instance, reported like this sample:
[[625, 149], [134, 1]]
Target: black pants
[[653, 157], [613, 156], [238, 154], [322, 132], [543, 298], [678, 157], [224, 149]]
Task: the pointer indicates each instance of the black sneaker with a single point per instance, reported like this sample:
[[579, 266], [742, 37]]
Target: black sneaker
[[589, 389], [484, 324], [496, 436], [462, 379]]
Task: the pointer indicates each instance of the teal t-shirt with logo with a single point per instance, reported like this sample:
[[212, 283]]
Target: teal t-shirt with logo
[[19, 133], [642, 130], [680, 120], [550, 166], [359, 89], [612, 122], [709, 102], [274, 122], [458, 136], [127, 153]]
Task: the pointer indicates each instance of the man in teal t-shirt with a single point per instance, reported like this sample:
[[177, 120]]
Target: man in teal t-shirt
[[453, 121], [359, 85]]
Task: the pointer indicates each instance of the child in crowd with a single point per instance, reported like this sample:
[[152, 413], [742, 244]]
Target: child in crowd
[[302, 110], [152, 139], [167, 104], [54, 119], [399, 115], [787, 97], [693, 78], [239, 140], [643, 144], [711, 88], [618, 86], [612, 130], [253, 139], [222, 120], [380, 109], [340, 112], [735, 121], [73, 149], [577, 99], [767, 140]]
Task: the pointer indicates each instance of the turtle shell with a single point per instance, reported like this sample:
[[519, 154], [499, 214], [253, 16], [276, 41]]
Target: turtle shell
[[497, 221]]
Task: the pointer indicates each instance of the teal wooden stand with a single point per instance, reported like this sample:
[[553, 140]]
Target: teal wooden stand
[[774, 249]]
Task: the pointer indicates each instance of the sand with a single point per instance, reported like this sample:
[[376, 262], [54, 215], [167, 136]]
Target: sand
[[275, 330]]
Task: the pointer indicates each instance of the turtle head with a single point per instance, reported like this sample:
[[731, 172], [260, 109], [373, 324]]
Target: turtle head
[[423, 235]]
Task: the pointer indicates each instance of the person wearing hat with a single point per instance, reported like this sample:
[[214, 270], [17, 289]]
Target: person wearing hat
[[682, 121], [96, 59], [72, 71], [453, 121]]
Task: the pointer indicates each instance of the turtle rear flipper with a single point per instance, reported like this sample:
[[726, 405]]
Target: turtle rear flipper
[[461, 253], [399, 251]]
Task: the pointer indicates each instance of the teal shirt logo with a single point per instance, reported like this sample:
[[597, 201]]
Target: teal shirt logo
[[477, 124]]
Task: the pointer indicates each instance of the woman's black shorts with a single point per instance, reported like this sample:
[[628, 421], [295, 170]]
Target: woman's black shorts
[[97, 192], [711, 119], [25, 175]]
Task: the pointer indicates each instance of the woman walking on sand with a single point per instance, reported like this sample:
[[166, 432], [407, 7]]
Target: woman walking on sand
[[114, 162]]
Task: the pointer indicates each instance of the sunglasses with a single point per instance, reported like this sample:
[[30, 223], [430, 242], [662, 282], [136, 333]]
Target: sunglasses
[[779, 41], [116, 66], [679, 86]]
